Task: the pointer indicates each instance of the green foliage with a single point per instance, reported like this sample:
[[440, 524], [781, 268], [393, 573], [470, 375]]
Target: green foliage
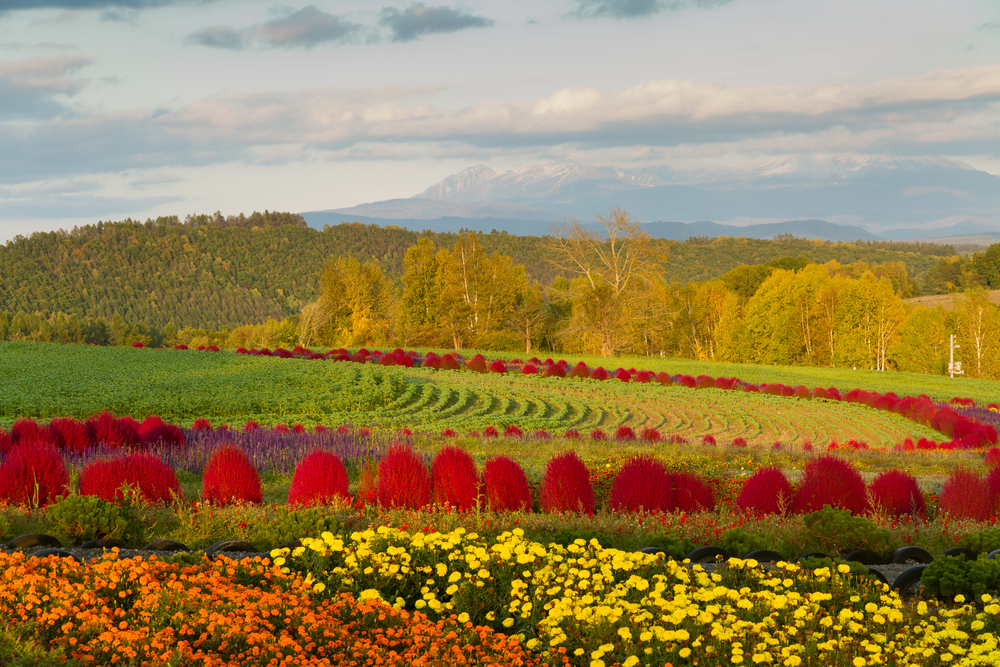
[[18, 652], [295, 524], [984, 541], [84, 518], [4, 528], [836, 531], [948, 576], [739, 542]]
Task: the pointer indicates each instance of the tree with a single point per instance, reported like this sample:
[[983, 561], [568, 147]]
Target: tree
[[868, 321], [421, 295], [978, 326], [614, 268], [355, 304], [528, 315], [923, 341], [987, 265]]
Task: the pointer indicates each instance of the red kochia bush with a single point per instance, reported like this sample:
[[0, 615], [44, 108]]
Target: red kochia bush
[[566, 485], [966, 495], [624, 432], [403, 480], [319, 478], [497, 367], [691, 493], [154, 479], [476, 363], [154, 430], [230, 477], [69, 435], [767, 491], [642, 484], [4, 442], [828, 480], [580, 371], [26, 430], [454, 478], [529, 369], [201, 424], [896, 493], [623, 375], [599, 374], [555, 370], [33, 474], [505, 485], [104, 428]]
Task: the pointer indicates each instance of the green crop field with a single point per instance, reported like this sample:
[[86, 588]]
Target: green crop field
[[44, 381]]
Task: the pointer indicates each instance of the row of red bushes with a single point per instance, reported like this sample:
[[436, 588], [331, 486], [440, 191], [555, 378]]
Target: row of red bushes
[[36, 475], [74, 436]]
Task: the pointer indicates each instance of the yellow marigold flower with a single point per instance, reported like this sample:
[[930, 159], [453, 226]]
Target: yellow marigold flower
[[320, 587], [530, 644], [625, 634], [369, 594], [508, 622], [684, 652], [860, 662], [977, 626], [630, 661]]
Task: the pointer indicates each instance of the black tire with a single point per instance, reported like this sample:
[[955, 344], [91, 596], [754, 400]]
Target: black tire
[[294, 544], [34, 540], [905, 554], [165, 545], [231, 545], [707, 555], [865, 557], [993, 554], [965, 552], [62, 553], [877, 575], [102, 544], [906, 580], [764, 556], [657, 550]]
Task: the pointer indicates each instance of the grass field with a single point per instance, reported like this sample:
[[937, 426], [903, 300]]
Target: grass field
[[44, 381]]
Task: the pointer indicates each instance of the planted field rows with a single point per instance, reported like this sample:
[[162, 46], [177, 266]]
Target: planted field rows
[[45, 381]]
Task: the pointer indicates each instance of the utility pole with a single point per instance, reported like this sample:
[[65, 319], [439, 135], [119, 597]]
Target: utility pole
[[954, 367]]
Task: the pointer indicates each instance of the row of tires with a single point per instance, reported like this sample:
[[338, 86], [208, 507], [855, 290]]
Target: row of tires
[[904, 583]]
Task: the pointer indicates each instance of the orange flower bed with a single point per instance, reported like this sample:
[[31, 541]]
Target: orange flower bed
[[224, 612]]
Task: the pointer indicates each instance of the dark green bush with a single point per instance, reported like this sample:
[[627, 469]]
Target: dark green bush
[[982, 542], [84, 518], [948, 576], [739, 542], [835, 531]]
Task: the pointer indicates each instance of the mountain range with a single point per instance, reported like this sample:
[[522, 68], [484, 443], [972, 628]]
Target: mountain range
[[831, 198]]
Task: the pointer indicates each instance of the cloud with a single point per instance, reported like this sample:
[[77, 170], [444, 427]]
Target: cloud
[[947, 112], [992, 25], [28, 87], [419, 19], [631, 9], [304, 28], [16, 5]]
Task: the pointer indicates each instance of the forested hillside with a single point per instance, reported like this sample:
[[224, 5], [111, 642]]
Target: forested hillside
[[212, 272]]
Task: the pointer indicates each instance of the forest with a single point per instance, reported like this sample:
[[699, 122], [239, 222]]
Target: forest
[[268, 279]]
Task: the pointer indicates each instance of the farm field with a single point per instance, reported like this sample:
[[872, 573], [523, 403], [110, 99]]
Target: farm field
[[45, 381], [526, 583]]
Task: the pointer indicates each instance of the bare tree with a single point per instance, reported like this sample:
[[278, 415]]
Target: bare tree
[[614, 267]]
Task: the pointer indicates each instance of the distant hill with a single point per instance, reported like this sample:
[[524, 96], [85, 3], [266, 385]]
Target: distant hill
[[947, 301], [677, 231], [212, 272]]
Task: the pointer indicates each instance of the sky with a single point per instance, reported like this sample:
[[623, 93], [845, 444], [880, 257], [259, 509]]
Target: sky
[[138, 108]]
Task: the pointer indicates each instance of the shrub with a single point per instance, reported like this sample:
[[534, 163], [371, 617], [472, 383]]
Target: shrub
[[948, 576], [993, 457], [291, 524], [650, 435], [624, 433], [85, 518], [477, 363], [103, 428], [834, 531], [993, 486], [642, 484], [33, 474], [831, 481], [251, 425], [230, 477], [513, 431], [403, 479], [529, 369], [148, 474], [319, 478], [738, 442], [598, 434], [896, 493], [454, 478], [571, 434], [491, 432], [4, 442], [691, 493], [966, 495], [505, 486], [599, 374], [767, 491], [497, 367], [739, 542], [153, 431], [580, 371], [448, 433], [201, 424], [448, 363], [705, 382], [802, 392], [555, 370], [663, 378], [709, 440], [69, 435], [566, 485], [623, 375]]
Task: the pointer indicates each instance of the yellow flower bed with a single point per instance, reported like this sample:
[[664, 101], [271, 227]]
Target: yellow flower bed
[[606, 607]]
